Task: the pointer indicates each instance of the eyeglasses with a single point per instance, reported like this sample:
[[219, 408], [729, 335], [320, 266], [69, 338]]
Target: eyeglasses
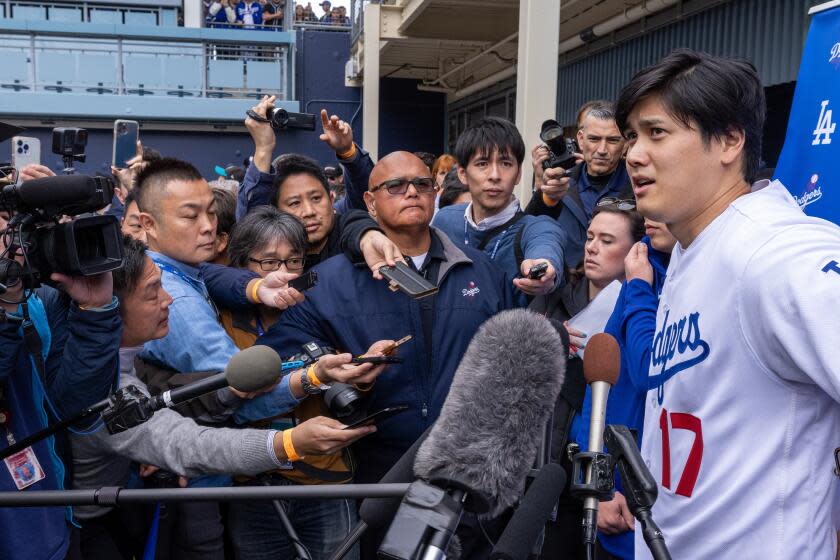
[[423, 185], [625, 204], [270, 265]]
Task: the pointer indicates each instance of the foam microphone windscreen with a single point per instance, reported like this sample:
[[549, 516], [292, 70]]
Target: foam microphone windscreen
[[524, 527], [602, 360], [253, 368], [502, 394]]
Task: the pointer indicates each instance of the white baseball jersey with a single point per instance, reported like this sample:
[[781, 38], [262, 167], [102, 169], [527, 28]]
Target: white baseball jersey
[[741, 435]]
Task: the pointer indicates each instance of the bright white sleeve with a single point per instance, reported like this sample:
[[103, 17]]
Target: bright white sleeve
[[789, 305]]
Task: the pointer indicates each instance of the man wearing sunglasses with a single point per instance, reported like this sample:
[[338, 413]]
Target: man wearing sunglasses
[[571, 196], [490, 155], [348, 309]]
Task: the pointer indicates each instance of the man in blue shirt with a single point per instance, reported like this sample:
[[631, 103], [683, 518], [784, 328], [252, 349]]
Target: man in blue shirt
[[490, 155], [571, 196]]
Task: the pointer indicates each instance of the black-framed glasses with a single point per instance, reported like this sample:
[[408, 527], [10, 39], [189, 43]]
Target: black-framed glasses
[[270, 265], [423, 185], [625, 204]]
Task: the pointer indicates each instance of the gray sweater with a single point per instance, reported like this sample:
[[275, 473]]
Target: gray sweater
[[167, 440]]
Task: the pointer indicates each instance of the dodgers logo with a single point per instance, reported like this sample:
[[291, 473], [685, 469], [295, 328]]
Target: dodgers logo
[[676, 347], [835, 55], [471, 290], [813, 192]]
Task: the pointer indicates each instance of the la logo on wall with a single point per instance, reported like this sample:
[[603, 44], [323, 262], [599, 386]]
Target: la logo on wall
[[835, 55], [825, 128], [813, 192]]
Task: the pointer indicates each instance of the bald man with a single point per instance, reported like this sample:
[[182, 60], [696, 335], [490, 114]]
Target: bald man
[[349, 310]]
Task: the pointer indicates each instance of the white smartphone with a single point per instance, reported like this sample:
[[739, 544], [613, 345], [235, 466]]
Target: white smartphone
[[25, 150], [126, 134]]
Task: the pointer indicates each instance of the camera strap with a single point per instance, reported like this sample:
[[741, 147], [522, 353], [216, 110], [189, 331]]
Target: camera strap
[[34, 344], [253, 115]]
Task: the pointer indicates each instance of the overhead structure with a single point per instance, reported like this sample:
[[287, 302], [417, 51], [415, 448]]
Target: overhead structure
[[461, 47]]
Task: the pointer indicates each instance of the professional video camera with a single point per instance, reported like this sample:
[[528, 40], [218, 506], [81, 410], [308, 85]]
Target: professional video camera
[[562, 149], [83, 246], [282, 119]]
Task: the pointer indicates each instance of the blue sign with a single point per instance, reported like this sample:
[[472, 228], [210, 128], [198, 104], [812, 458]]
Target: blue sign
[[809, 165]]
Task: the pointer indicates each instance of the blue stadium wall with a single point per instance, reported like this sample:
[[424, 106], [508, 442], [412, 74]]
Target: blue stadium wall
[[409, 119]]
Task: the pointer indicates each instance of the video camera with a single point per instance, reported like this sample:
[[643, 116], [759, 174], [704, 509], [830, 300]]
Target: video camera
[[562, 150], [281, 119], [83, 246]]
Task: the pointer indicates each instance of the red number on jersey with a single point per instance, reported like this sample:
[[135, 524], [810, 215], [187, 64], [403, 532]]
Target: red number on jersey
[[681, 421]]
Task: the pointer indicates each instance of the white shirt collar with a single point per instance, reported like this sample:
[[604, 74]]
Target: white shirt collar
[[492, 221]]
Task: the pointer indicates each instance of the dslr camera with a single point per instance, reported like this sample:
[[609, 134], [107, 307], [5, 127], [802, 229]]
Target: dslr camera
[[82, 246], [561, 150]]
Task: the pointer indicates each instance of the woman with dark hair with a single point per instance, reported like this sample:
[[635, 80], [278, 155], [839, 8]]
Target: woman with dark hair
[[453, 190]]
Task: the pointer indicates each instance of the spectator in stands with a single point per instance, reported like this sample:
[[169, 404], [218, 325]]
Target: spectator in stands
[[570, 197], [131, 225], [490, 155], [220, 13], [308, 15], [299, 14], [249, 13], [225, 218], [342, 12], [349, 309], [326, 5], [273, 13], [454, 191]]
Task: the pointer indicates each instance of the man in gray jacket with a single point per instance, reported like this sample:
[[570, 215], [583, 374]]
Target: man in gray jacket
[[169, 440]]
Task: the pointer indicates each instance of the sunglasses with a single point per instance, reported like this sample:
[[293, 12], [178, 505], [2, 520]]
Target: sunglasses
[[624, 204], [423, 185]]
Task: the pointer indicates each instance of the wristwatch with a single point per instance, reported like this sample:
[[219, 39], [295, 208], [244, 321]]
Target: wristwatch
[[307, 385]]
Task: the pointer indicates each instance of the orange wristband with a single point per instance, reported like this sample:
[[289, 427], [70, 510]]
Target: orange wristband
[[310, 373], [289, 448], [548, 201], [349, 153], [256, 287]]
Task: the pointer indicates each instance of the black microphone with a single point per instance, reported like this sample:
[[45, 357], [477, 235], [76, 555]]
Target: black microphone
[[503, 392], [249, 370], [62, 194], [601, 367], [526, 524]]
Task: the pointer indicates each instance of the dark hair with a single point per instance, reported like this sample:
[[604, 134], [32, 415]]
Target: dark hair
[[129, 198], [260, 226], [156, 175], [428, 158], [128, 275], [150, 154], [225, 210], [715, 94], [452, 189], [294, 164], [635, 220], [491, 133]]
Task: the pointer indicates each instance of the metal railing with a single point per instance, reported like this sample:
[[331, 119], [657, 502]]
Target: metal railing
[[92, 12], [120, 66]]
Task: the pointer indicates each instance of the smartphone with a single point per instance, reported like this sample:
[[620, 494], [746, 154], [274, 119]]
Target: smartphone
[[305, 281], [390, 349], [376, 360], [405, 279], [126, 134], [378, 416], [25, 150], [537, 271]]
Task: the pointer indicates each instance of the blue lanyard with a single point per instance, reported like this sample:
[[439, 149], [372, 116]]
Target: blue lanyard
[[191, 281], [495, 246]]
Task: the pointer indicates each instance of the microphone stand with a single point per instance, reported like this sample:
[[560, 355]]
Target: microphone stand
[[640, 488]]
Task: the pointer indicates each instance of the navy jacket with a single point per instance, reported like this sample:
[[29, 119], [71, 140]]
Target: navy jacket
[[349, 311], [81, 351], [570, 214]]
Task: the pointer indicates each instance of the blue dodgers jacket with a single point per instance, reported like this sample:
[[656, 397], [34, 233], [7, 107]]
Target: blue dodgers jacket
[[81, 365], [633, 324], [349, 311], [541, 238]]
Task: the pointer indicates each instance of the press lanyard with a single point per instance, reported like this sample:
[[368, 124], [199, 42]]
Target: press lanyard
[[191, 281]]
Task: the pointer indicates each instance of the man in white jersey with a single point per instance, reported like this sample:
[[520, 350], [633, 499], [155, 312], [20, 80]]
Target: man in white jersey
[[744, 417]]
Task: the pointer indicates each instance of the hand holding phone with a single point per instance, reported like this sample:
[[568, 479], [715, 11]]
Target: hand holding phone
[[537, 271], [378, 416], [305, 281], [376, 360]]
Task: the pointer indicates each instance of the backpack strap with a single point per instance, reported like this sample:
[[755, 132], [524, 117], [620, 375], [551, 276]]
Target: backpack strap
[[499, 229], [517, 248]]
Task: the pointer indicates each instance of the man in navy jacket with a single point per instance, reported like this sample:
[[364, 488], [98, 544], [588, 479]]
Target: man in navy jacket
[[79, 334]]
